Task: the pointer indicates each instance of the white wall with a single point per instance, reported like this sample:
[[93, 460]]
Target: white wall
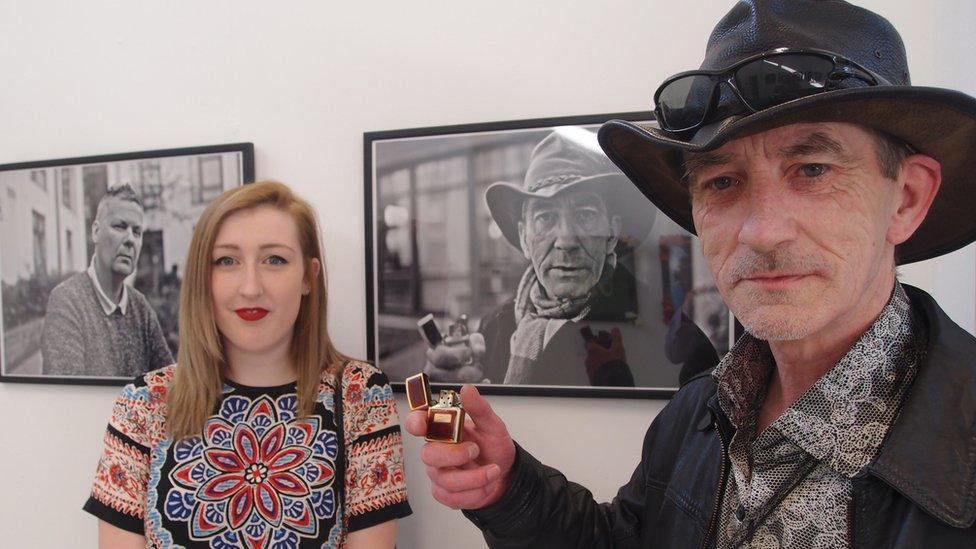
[[303, 80]]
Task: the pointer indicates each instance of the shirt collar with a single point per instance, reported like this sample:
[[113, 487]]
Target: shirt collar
[[857, 399], [108, 306]]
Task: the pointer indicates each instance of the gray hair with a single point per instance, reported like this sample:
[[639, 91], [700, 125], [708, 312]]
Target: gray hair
[[123, 192]]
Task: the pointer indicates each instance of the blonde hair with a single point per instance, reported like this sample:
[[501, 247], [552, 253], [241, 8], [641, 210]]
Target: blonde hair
[[198, 379]]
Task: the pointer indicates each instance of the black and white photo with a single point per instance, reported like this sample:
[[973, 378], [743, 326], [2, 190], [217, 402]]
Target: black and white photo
[[92, 251], [545, 270]]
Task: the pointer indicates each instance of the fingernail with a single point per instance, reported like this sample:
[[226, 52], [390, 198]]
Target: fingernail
[[492, 472], [473, 451]]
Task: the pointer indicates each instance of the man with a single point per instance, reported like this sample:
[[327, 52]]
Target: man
[[573, 217], [95, 324], [846, 417]]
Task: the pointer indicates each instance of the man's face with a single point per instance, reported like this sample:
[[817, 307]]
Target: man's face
[[793, 224], [567, 239], [117, 234]]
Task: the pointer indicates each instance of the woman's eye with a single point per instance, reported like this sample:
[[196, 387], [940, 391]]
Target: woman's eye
[[277, 260], [813, 170], [224, 261]]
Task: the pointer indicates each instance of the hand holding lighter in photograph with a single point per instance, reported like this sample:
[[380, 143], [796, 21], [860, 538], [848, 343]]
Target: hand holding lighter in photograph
[[445, 420], [455, 358]]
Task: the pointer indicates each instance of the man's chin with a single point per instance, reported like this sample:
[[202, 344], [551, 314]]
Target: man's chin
[[779, 323], [563, 291], [122, 269]]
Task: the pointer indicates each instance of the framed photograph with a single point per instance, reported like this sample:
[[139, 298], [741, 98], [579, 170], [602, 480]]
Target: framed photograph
[[516, 256], [92, 252]]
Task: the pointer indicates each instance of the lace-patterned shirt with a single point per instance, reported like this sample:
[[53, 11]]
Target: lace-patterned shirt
[[258, 475], [790, 486]]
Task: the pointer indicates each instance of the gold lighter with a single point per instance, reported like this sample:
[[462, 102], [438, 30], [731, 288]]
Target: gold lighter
[[445, 420]]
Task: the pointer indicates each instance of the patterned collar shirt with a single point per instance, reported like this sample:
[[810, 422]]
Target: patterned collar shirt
[[790, 486]]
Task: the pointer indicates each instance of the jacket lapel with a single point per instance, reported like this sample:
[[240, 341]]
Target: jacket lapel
[[930, 454]]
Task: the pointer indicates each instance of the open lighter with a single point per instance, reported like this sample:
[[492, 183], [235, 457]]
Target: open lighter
[[445, 420]]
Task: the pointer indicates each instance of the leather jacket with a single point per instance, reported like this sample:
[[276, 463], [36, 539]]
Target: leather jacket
[[919, 492]]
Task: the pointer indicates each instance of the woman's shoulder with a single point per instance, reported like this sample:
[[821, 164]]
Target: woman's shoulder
[[151, 387], [362, 374], [140, 409]]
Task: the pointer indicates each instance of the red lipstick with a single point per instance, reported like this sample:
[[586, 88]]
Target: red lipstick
[[252, 315]]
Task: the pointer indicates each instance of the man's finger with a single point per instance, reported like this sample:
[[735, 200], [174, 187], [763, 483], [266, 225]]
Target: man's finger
[[618, 340], [478, 409], [470, 499], [416, 423], [462, 480], [440, 454]]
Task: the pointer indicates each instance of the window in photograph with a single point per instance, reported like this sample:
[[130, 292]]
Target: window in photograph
[[40, 245], [66, 199], [39, 178], [150, 184], [69, 247], [210, 182]]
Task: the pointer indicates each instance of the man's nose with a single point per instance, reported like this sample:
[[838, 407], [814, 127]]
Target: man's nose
[[769, 219], [567, 236]]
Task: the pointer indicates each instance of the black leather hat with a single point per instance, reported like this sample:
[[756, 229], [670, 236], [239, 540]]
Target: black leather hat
[[567, 159], [938, 122]]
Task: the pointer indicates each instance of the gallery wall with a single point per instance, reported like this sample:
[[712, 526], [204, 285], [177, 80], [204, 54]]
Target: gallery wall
[[303, 80]]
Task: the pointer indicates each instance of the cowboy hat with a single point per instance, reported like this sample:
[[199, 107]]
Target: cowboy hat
[[937, 122], [567, 159]]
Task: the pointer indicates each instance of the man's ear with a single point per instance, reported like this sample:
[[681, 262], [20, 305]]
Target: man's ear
[[311, 275], [525, 248], [919, 180], [94, 232], [614, 233]]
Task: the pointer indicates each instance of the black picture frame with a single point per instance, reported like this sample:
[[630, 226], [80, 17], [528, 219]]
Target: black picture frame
[[390, 330], [61, 198]]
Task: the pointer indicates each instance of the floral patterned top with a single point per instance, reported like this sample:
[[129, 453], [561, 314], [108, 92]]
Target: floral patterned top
[[790, 485], [257, 476]]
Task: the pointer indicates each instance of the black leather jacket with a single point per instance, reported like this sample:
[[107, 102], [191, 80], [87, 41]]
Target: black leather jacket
[[919, 492]]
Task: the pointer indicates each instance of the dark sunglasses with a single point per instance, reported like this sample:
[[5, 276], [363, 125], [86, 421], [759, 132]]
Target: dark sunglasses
[[684, 101]]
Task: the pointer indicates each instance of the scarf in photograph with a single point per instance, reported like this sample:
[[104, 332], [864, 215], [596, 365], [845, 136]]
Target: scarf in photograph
[[538, 316]]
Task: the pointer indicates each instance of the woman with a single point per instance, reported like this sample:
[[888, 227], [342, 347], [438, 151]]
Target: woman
[[243, 442]]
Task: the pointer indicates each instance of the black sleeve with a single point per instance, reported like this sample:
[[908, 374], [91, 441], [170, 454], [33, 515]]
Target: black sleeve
[[542, 509]]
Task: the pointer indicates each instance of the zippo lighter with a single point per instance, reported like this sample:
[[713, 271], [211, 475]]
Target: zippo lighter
[[444, 419]]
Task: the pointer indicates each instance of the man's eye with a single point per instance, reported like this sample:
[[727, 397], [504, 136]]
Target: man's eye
[[224, 261], [720, 183], [277, 260], [586, 217], [545, 220], [813, 170]]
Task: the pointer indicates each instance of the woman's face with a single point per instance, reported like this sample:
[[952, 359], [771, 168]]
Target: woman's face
[[257, 280]]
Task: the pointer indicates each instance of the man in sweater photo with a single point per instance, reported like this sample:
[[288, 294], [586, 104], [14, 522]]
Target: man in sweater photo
[[96, 324]]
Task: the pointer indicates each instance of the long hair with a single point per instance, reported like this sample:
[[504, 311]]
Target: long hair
[[201, 362]]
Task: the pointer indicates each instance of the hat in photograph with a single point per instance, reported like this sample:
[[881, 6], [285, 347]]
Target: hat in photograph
[[570, 158]]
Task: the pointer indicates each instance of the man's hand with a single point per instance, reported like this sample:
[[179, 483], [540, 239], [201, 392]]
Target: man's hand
[[599, 353], [456, 361], [474, 473]]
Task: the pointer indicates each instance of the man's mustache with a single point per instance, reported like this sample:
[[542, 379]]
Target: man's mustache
[[780, 262]]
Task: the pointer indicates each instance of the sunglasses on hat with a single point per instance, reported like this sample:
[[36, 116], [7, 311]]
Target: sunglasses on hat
[[684, 101]]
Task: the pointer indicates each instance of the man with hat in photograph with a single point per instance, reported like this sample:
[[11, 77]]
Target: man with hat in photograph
[[573, 216], [810, 168]]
